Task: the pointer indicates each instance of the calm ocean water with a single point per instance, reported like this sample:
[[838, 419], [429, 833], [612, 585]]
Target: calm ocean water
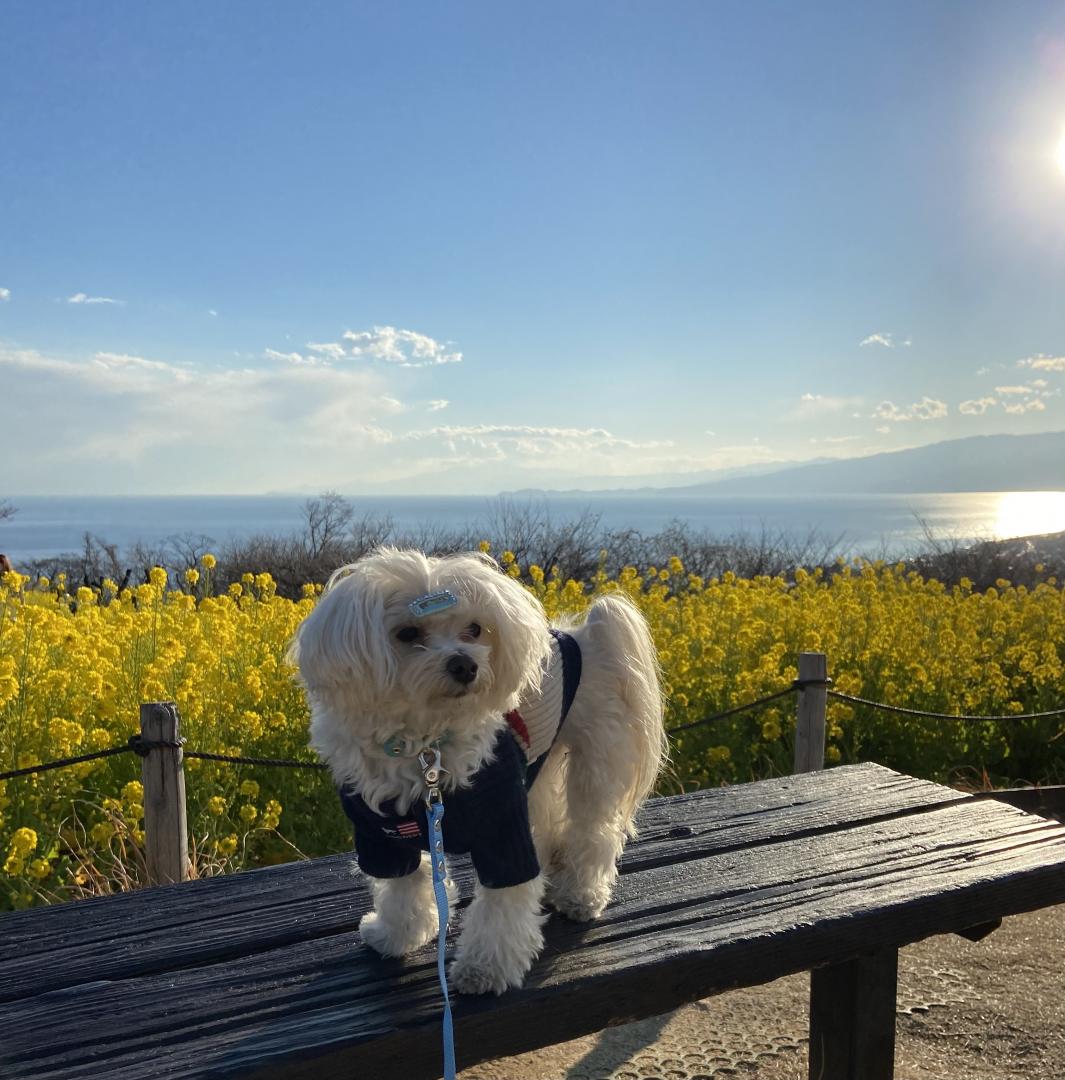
[[872, 524]]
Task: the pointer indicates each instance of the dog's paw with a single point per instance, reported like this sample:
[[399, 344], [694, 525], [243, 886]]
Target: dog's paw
[[470, 977], [388, 939], [578, 905]]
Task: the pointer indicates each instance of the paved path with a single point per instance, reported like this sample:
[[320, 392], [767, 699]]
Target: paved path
[[990, 1010]]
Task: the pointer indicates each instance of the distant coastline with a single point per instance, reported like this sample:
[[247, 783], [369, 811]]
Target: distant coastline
[[48, 526]]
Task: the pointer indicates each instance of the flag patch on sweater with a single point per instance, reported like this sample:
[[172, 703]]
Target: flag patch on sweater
[[408, 830]]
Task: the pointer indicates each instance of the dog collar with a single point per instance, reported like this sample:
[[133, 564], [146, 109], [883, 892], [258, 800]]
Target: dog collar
[[403, 745]]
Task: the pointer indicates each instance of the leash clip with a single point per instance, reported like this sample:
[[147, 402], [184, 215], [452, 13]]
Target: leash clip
[[429, 760]]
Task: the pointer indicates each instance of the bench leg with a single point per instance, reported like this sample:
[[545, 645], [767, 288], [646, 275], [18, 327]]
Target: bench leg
[[852, 1018]]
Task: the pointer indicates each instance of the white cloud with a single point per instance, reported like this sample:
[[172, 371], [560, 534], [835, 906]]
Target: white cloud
[[211, 311], [1019, 407], [131, 408], [280, 422], [82, 298], [811, 405], [295, 358], [977, 406], [533, 438], [888, 410], [832, 440], [925, 409], [407, 348], [1043, 363], [403, 348], [886, 340], [929, 409], [332, 350], [5, 294], [1033, 388]]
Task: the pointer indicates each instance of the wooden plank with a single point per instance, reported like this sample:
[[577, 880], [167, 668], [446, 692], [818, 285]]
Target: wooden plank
[[852, 1018], [660, 820], [835, 799], [674, 934], [220, 918]]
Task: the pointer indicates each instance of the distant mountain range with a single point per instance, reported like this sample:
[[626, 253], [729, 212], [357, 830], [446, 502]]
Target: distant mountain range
[[977, 463]]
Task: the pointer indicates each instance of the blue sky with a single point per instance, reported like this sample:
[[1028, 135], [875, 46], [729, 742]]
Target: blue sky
[[459, 247]]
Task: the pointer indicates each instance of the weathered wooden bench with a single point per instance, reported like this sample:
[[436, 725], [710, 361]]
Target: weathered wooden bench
[[262, 974]]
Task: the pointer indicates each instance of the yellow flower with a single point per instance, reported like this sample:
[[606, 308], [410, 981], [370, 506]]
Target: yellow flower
[[192, 575], [101, 832], [133, 792], [248, 813], [209, 562], [216, 805], [157, 577], [23, 841], [249, 788], [39, 868]]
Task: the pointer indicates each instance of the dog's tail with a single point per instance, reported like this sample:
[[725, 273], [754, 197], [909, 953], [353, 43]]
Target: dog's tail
[[626, 638]]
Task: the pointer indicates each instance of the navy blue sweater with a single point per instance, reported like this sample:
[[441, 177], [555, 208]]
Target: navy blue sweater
[[489, 819]]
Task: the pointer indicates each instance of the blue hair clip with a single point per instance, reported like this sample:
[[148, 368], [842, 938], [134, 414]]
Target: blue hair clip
[[431, 603]]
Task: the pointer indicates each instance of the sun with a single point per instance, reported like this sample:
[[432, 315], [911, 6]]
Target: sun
[[1059, 153]]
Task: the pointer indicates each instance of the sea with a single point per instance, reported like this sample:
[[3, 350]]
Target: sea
[[45, 526]]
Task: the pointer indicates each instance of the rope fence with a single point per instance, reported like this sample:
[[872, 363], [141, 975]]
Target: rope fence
[[162, 750]]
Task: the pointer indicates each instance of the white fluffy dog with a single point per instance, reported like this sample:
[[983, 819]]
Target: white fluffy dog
[[406, 651]]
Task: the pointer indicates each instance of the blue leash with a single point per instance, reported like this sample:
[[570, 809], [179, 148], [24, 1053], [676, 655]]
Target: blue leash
[[429, 759]]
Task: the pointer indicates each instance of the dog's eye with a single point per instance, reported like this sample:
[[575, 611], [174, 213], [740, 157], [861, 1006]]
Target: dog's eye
[[473, 631], [408, 634]]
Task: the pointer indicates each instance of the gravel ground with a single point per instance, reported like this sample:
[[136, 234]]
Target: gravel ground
[[989, 1010]]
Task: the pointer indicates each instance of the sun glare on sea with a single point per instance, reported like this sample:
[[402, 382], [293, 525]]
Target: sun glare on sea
[[1030, 513]]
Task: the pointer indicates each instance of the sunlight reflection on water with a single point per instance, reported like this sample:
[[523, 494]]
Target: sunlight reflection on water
[[1029, 513]]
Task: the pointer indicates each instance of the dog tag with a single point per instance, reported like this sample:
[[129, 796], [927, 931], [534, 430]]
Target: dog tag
[[431, 603]]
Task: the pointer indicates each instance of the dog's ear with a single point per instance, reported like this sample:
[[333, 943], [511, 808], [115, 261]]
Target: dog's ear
[[519, 638], [342, 642]]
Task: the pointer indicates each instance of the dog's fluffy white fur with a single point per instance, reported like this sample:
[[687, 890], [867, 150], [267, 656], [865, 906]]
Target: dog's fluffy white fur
[[365, 686]]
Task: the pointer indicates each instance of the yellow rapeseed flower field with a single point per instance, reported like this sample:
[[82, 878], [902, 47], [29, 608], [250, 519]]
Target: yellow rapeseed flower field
[[75, 666]]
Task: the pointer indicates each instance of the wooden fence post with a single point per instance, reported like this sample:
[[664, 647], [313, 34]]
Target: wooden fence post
[[165, 827], [810, 713]]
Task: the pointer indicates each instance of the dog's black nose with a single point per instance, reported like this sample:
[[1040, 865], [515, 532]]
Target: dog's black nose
[[462, 668]]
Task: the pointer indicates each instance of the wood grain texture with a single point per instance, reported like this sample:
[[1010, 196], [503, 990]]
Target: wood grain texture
[[243, 914], [811, 706], [726, 888], [166, 842]]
